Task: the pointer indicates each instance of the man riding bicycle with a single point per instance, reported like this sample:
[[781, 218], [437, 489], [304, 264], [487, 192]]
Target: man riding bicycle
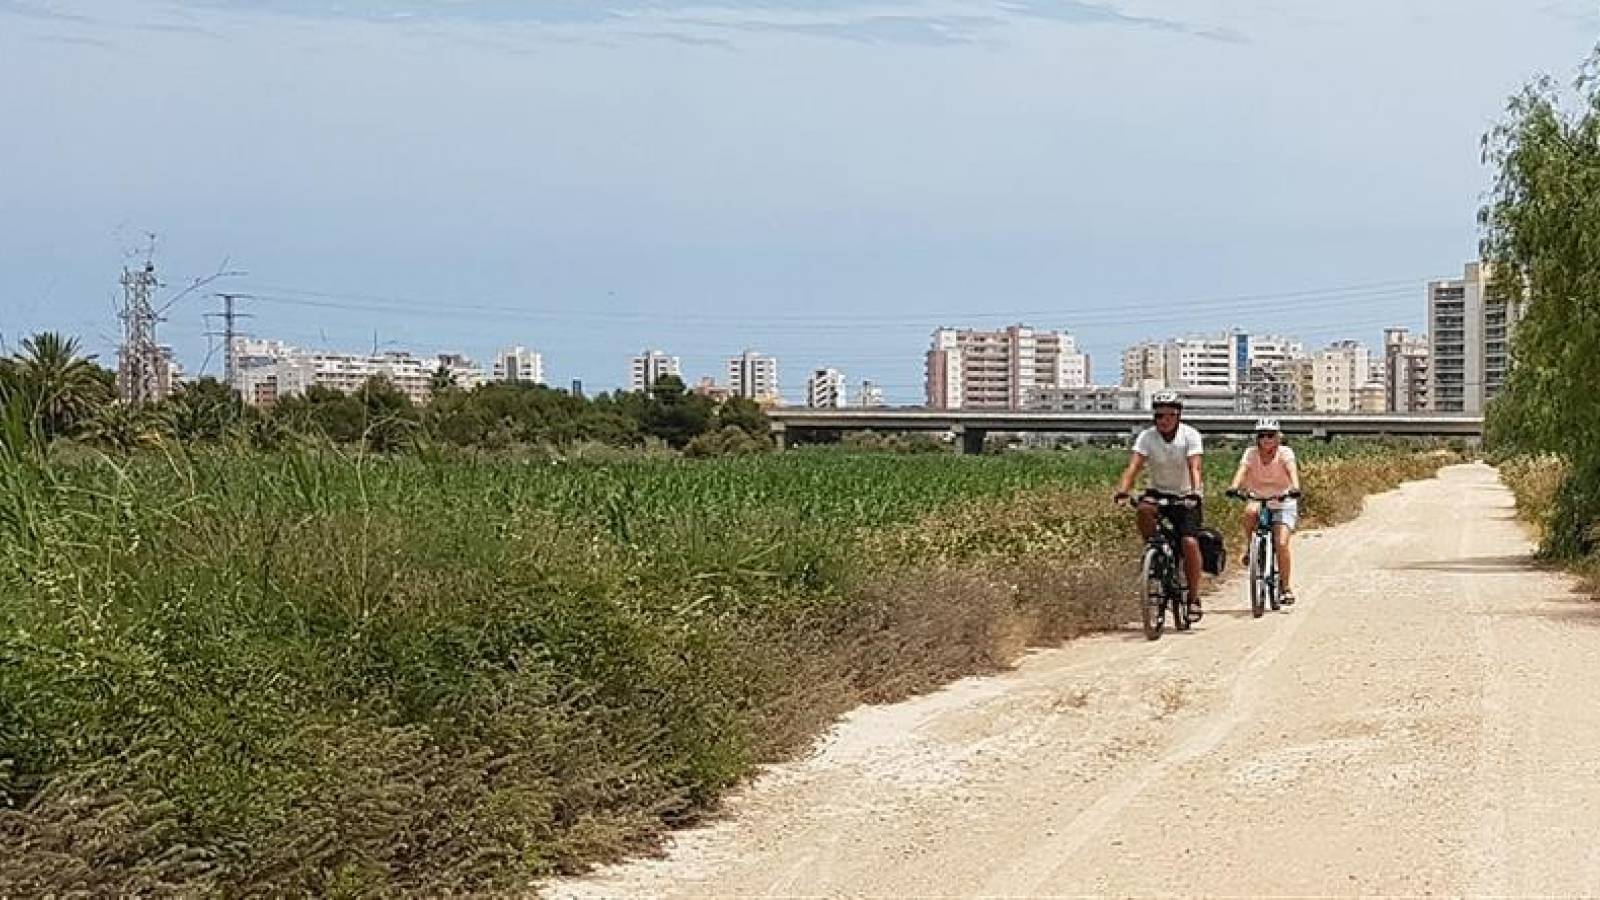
[[1268, 470], [1173, 452]]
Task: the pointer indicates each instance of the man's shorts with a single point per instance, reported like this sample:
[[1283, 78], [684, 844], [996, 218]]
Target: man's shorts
[[1186, 520]]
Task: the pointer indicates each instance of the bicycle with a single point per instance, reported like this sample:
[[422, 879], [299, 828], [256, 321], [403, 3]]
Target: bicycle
[[1265, 589], [1162, 583]]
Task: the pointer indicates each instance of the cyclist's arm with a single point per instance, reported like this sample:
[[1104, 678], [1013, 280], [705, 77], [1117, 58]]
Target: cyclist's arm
[[1294, 473], [1238, 475], [1195, 474], [1135, 464]]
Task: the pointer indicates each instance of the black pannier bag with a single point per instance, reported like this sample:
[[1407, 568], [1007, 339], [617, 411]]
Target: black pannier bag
[[1213, 552]]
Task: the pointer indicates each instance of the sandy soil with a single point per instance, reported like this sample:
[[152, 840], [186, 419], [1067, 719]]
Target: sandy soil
[[1424, 721]]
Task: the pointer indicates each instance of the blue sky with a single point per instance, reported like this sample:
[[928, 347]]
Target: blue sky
[[825, 180]]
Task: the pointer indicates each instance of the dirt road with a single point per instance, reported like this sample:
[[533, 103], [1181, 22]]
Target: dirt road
[[1425, 720]]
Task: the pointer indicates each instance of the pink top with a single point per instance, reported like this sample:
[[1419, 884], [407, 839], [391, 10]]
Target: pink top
[[1267, 478]]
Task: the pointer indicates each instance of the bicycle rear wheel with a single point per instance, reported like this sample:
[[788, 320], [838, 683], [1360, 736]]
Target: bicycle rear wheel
[[1178, 597], [1152, 594]]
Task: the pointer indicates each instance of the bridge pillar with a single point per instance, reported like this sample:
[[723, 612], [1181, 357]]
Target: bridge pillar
[[971, 440], [780, 436]]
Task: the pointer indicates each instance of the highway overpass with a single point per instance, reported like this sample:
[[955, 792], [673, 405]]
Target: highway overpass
[[790, 426]]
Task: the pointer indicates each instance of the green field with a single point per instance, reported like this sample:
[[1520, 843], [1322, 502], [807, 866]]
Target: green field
[[313, 672]]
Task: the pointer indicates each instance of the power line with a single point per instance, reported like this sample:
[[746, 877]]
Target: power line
[[442, 306]]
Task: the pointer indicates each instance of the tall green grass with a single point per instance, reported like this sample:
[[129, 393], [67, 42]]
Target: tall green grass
[[308, 672]]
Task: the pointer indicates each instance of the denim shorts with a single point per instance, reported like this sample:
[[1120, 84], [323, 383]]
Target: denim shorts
[[1286, 514]]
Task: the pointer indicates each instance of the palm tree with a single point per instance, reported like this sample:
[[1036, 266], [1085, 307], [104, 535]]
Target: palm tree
[[61, 386]]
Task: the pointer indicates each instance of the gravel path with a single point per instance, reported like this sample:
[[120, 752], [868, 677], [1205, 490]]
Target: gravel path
[[1423, 721]]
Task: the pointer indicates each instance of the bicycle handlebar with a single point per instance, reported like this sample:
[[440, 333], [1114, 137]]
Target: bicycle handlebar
[[1159, 499], [1249, 495]]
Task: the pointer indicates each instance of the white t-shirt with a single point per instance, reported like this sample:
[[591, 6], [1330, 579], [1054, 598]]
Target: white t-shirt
[[1168, 461]]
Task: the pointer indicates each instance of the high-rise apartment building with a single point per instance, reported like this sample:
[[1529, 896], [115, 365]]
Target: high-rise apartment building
[[972, 369], [649, 367], [1337, 379], [519, 364], [1208, 363], [1203, 361], [1270, 387], [1406, 380], [826, 389], [1470, 340], [1144, 362], [753, 376]]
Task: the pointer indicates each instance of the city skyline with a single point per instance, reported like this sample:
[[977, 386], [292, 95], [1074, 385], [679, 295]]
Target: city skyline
[[977, 369], [828, 183]]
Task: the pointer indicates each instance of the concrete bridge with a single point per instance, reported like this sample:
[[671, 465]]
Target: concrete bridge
[[972, 427]]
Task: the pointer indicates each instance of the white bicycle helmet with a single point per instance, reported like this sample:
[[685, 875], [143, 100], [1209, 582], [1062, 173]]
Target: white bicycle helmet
[[1267, 424], [1166, 398]]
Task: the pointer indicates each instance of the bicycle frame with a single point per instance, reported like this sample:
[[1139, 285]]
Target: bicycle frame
[[1263, 585], [1162, 565]]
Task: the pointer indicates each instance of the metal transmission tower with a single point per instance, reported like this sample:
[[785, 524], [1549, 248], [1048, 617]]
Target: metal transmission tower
[[140, 364], [230, 335]]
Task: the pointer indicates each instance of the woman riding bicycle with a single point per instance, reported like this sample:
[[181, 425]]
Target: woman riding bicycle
[[1268, 470]]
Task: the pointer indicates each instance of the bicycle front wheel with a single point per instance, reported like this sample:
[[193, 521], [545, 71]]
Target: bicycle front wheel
[[1152, 594], [1258, 578]]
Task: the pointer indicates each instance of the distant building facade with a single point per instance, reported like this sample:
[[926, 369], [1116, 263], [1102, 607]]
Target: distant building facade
[[1001, 370], [754, 376], [826, 389], [1470, 332], [649, 367], [519, 364]]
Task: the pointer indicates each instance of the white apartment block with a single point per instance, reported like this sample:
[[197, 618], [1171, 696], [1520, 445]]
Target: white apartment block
[[519, 364], [972, 369], [753, 376], [1406, 377], [1470, 340], [826, 389], [1203, 361], [1210, 362], [1269, 349], [649, 367], [870, 396], [291, 372], [1337, 379]]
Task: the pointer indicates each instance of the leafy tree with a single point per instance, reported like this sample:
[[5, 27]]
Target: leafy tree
[[124, 427], [744, 414], [442, 381], [673, 414], [203, 410], [1542, 233], [59, 387], [387, 415]]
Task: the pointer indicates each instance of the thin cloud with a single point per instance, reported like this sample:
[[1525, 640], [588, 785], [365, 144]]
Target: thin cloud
[[925, 31], [915, 22], [42, 11], [1073, 12], [75, 41]]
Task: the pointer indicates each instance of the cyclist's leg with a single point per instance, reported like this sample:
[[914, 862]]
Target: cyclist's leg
[[1282, 533], [1192, 567], [1146, 517], [1249, 523]]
